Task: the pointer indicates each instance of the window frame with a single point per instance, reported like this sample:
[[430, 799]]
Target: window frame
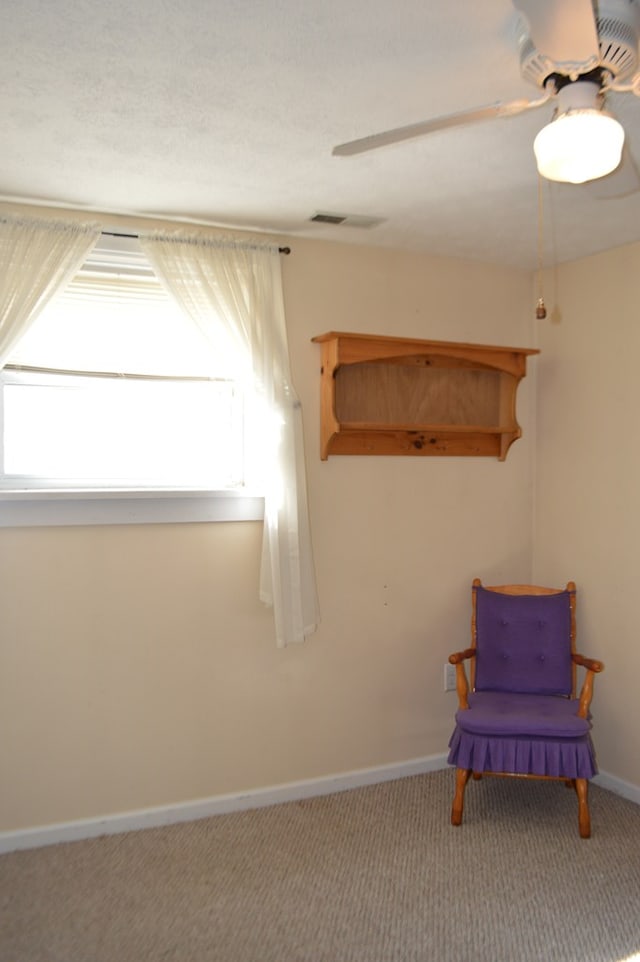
[[44, 508], [23, 504]]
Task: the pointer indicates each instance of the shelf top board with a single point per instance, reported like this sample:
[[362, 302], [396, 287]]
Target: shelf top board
[[418, 345]]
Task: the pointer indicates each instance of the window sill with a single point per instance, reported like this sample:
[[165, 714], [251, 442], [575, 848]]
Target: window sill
[[59, 508]]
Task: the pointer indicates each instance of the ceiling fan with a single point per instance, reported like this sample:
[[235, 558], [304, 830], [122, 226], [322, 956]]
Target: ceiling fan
[[574, 55]]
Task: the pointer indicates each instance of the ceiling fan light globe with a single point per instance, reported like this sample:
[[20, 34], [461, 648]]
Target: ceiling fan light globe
[[578, 146]]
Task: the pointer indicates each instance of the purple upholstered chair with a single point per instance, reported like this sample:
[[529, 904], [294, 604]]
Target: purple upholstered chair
[[519, 715]]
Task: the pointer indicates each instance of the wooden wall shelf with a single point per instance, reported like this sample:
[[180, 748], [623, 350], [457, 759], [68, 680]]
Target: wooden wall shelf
[[393, 395]]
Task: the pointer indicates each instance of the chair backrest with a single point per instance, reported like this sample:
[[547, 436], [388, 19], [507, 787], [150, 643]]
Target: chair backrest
[[524, 636]]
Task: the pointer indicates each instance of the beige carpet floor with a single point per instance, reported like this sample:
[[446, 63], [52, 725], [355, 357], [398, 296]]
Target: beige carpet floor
[[371, 875]]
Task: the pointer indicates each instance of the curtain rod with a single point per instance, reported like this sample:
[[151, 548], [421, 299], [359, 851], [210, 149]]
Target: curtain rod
[[113, 233]]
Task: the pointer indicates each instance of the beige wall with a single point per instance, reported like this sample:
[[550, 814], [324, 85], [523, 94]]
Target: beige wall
[[588, 481], [137, 667]]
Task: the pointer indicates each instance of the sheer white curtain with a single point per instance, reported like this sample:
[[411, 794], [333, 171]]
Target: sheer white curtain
[[37, 259], [238, 284]]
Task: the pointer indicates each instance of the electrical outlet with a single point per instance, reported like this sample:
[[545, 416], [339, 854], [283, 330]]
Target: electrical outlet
[[449, 677]]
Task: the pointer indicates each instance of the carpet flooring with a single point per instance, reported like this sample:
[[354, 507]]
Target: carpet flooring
[[375, 874]]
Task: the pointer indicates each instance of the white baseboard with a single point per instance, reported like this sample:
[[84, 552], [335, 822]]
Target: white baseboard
[[216, 805], [243, 801], [618, 785]]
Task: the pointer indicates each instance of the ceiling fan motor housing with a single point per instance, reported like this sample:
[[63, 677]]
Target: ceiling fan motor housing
[[618, 26]]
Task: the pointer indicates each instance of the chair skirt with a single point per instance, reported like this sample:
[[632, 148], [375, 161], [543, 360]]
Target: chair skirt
[[523, 755]]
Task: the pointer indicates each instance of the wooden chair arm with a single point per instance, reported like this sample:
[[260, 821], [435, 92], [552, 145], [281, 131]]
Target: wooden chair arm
[[459, 656], [593, 667], [462, 685], [590, 663]]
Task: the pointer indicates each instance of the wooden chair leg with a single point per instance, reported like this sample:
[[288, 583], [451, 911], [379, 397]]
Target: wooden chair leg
[[462, 777], [477, 776], [584, 819]]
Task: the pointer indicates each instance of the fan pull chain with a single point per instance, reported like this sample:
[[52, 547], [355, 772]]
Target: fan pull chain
[[541, 310]]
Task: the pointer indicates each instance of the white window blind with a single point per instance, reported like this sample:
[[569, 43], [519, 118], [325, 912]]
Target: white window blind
[[115, 317]]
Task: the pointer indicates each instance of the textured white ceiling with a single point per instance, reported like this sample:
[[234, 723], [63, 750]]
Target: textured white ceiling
[[227, 112]]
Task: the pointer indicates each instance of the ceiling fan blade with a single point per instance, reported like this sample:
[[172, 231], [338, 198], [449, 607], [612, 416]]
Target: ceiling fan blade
[[565, 31], [398, 134], [624, 180]]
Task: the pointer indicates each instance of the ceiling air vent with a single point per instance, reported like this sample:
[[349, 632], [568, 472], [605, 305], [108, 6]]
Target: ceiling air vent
[[348, 220], [328, 218]]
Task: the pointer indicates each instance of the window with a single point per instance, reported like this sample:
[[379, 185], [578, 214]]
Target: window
[[113, 392]]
